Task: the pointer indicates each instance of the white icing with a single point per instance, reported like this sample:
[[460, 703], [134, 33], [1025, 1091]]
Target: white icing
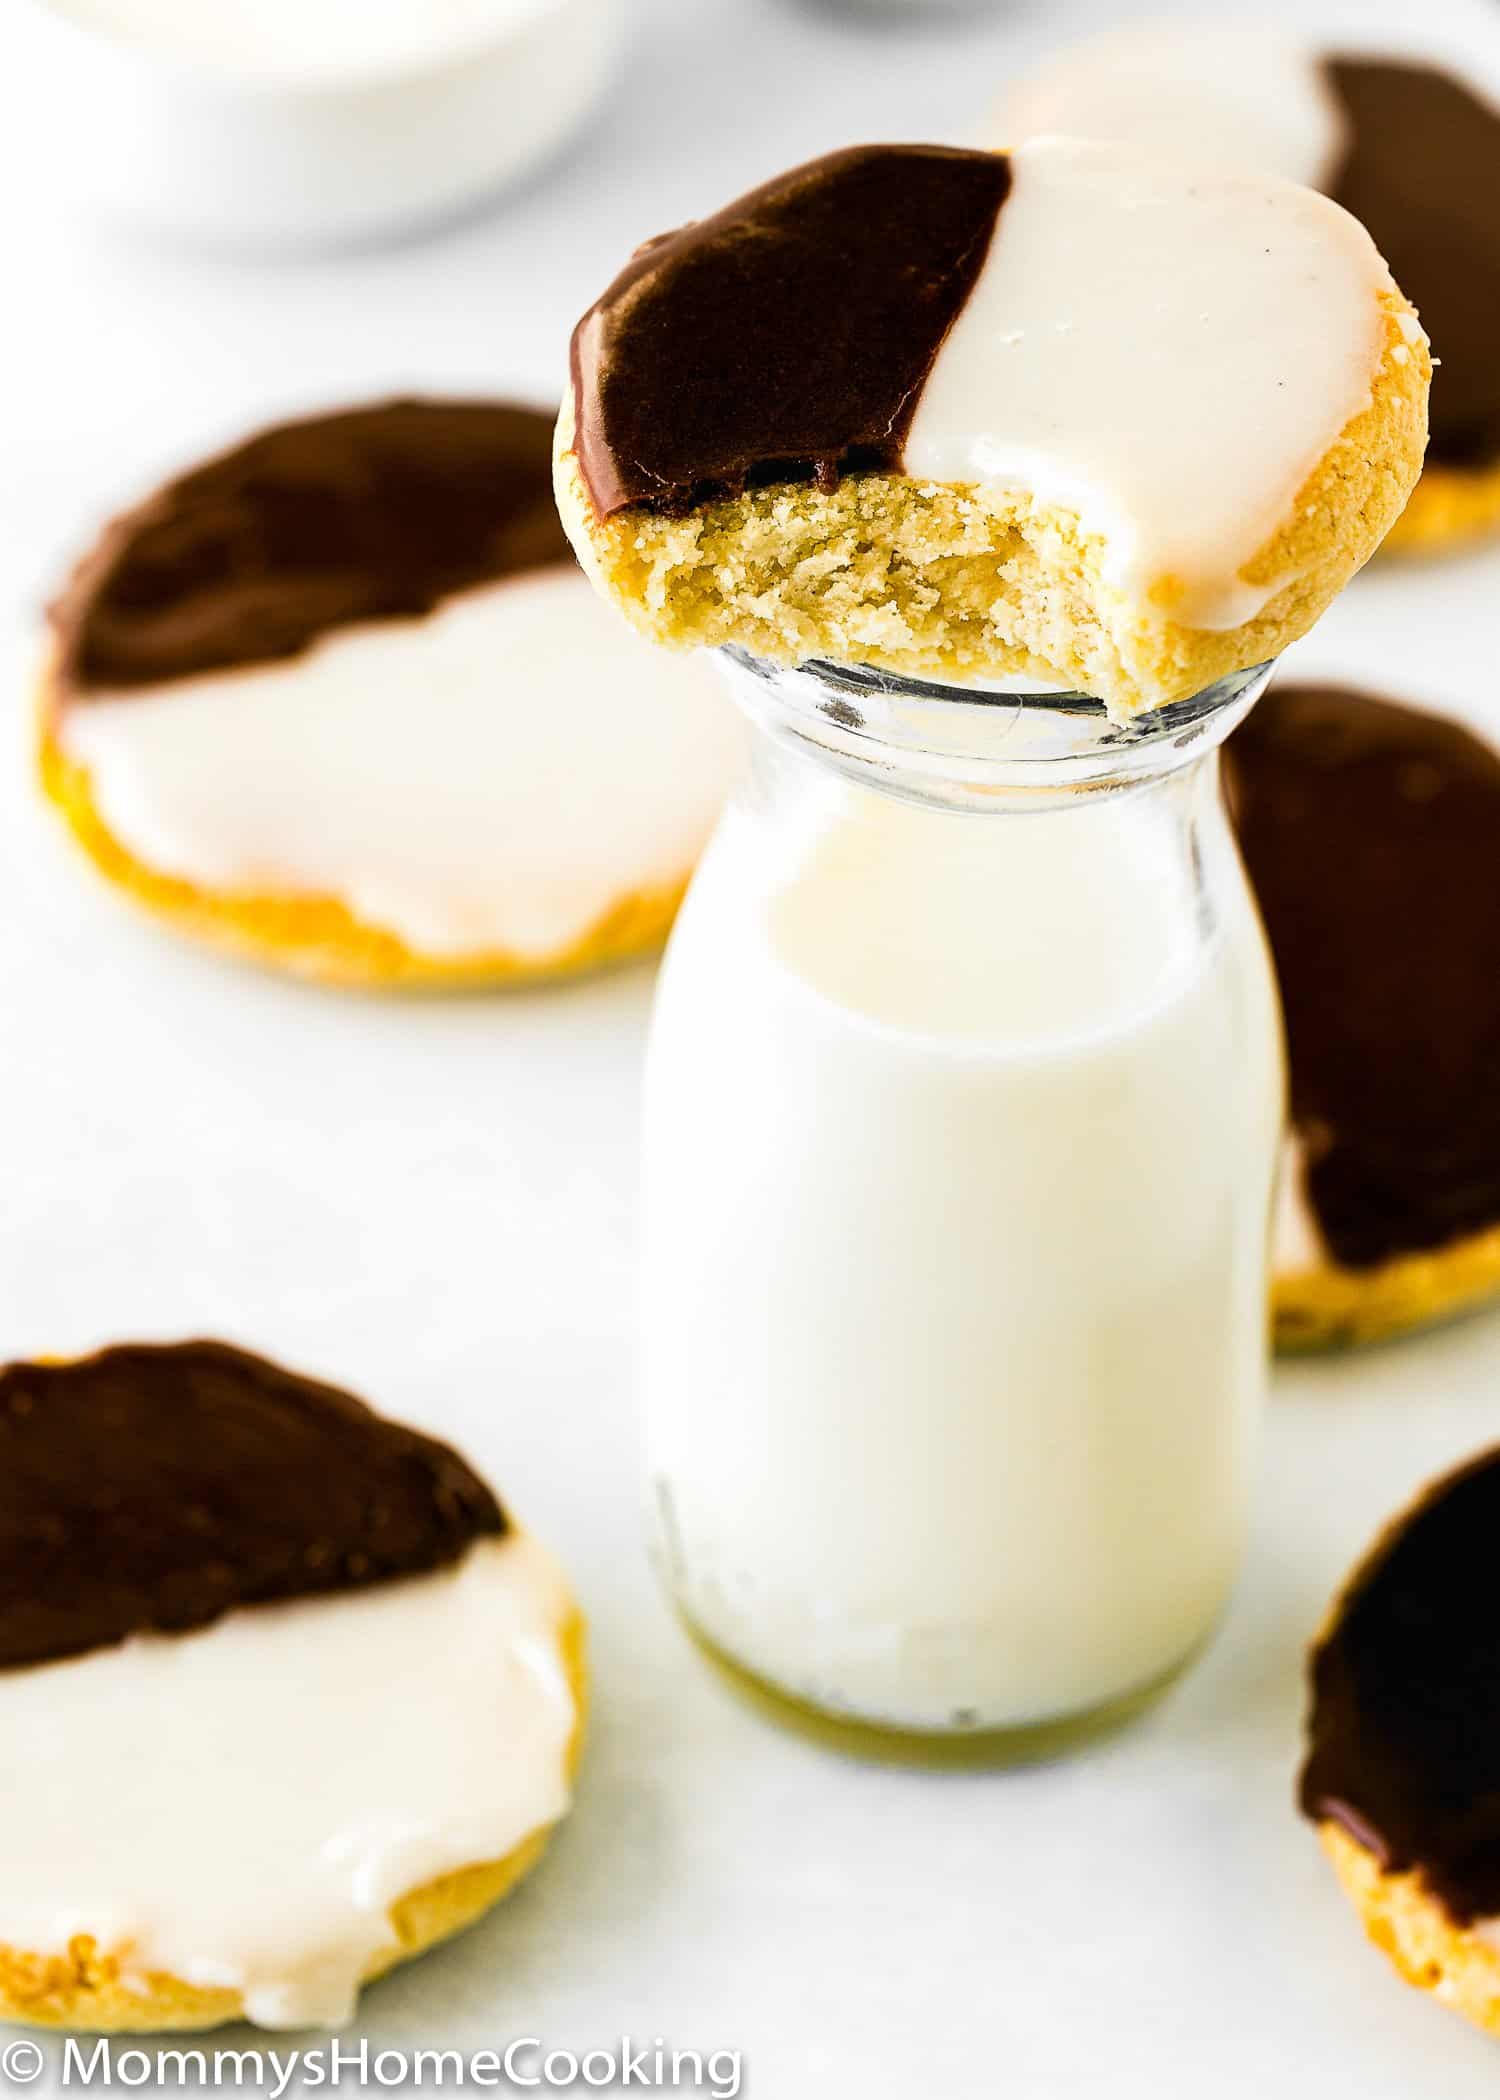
[[495, 776], [1168, 357], [241, 1806], [1228, 96]]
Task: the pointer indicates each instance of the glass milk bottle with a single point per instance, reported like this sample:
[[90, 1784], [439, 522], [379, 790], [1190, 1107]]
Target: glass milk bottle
[[962, 1109]]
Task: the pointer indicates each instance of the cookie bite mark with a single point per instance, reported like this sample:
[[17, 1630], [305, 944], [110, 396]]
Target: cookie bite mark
[[285, 1694], [1402, 1775], [1027, 524], [786, 338], [1369, 830], [375, 513], [1240, 321], [151, 1489]]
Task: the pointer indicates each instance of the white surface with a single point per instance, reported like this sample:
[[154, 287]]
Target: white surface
[[435, 1202]]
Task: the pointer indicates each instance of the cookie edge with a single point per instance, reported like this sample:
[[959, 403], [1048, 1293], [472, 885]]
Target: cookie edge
[[318, 938], [1454, 1963], [1448, 510], [1329, 1307]]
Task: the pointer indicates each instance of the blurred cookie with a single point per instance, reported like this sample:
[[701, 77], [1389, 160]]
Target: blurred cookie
[[285, 1694], [1371, 831], [1402, 1776], [1061, 415], [340, 701], [1412, 149]]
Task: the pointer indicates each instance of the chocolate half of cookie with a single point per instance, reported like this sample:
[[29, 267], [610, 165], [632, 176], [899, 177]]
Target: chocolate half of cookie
[[152, 1489], [1419, 165], [1404, 1727], [787, 337], [373, 513], [1371, 830]]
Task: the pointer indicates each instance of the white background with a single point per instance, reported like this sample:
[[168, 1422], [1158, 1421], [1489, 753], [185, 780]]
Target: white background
[[434, 1202]]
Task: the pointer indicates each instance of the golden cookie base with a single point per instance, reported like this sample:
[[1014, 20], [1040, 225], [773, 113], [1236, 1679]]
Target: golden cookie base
[[84, 1988], [319, 938], [1407, 1923], [1447, 510], [952, 582], [1331, 1308]]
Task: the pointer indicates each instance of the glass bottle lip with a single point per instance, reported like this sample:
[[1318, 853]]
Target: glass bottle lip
[[973, 743]]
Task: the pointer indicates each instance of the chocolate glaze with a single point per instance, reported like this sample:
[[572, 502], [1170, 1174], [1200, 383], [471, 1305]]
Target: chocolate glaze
[[786, 337], [375, 513], [153, 1489], [1421, 168], [1372, 835], [1405, 1718]]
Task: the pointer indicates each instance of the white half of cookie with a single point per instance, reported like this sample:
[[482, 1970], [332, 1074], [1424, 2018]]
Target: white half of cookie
[[494, 776]]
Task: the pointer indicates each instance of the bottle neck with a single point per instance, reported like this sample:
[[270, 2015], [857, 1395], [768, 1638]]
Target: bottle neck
[[981, 751]]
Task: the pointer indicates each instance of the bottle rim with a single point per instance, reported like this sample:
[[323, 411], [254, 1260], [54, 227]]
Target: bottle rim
[[937, 741]]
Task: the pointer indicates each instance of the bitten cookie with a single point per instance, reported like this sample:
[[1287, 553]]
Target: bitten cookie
[[285, 1695], [1065, 415], [341, 702], [1412, 150], [1402, 1776], [1371, 833]]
